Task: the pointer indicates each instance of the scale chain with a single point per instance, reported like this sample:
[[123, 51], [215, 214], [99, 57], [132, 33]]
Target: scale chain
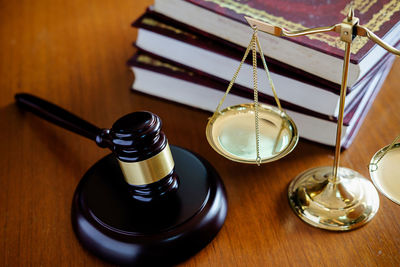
[[234, 77], [254, 50], [271, 83]]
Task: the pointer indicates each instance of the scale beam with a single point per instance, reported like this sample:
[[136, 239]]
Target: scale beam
[[357, 30], [279, 31]]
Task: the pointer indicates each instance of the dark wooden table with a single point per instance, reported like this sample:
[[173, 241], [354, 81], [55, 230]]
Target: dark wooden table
[[73, 53]]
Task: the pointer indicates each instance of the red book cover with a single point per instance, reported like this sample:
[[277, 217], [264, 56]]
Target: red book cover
[[379, 16]]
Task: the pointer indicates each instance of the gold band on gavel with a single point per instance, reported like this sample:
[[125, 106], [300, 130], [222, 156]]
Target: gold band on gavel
[[150, 170]]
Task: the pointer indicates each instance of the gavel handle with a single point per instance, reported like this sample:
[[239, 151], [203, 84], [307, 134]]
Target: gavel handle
[[57, 115]]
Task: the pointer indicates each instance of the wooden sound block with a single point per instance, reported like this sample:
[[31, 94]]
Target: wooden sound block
[[114, 226]]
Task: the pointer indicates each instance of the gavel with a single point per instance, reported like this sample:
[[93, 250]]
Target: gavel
[[147, 202]]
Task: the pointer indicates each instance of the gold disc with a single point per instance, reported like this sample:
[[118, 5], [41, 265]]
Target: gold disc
[[386, 173], [232, 133]]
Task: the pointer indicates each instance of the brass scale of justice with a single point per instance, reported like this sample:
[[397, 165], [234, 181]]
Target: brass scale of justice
[[333, 198]]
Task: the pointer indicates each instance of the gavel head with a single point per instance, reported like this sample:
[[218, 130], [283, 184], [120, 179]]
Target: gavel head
[[143, 154]]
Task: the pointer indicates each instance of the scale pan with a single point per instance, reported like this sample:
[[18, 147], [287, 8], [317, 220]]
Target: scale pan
[[386, 173], [232, 133]]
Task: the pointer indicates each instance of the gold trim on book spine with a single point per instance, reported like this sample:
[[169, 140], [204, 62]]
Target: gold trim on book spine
[[158, 63], [150, 170], [155, 23]]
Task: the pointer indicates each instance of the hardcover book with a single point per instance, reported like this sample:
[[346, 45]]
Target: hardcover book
[[172, 82], [161, 36], [319, 54]]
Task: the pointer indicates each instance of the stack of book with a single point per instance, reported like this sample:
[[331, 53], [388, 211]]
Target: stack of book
[[188, 51]]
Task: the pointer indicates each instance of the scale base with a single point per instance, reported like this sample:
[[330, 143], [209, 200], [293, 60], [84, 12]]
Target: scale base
[[115, 227], [347, 204]]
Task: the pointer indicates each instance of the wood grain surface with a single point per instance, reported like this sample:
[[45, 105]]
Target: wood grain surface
[[73, 53]]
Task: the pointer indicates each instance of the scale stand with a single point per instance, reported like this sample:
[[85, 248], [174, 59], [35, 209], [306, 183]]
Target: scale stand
[[337, 198]]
